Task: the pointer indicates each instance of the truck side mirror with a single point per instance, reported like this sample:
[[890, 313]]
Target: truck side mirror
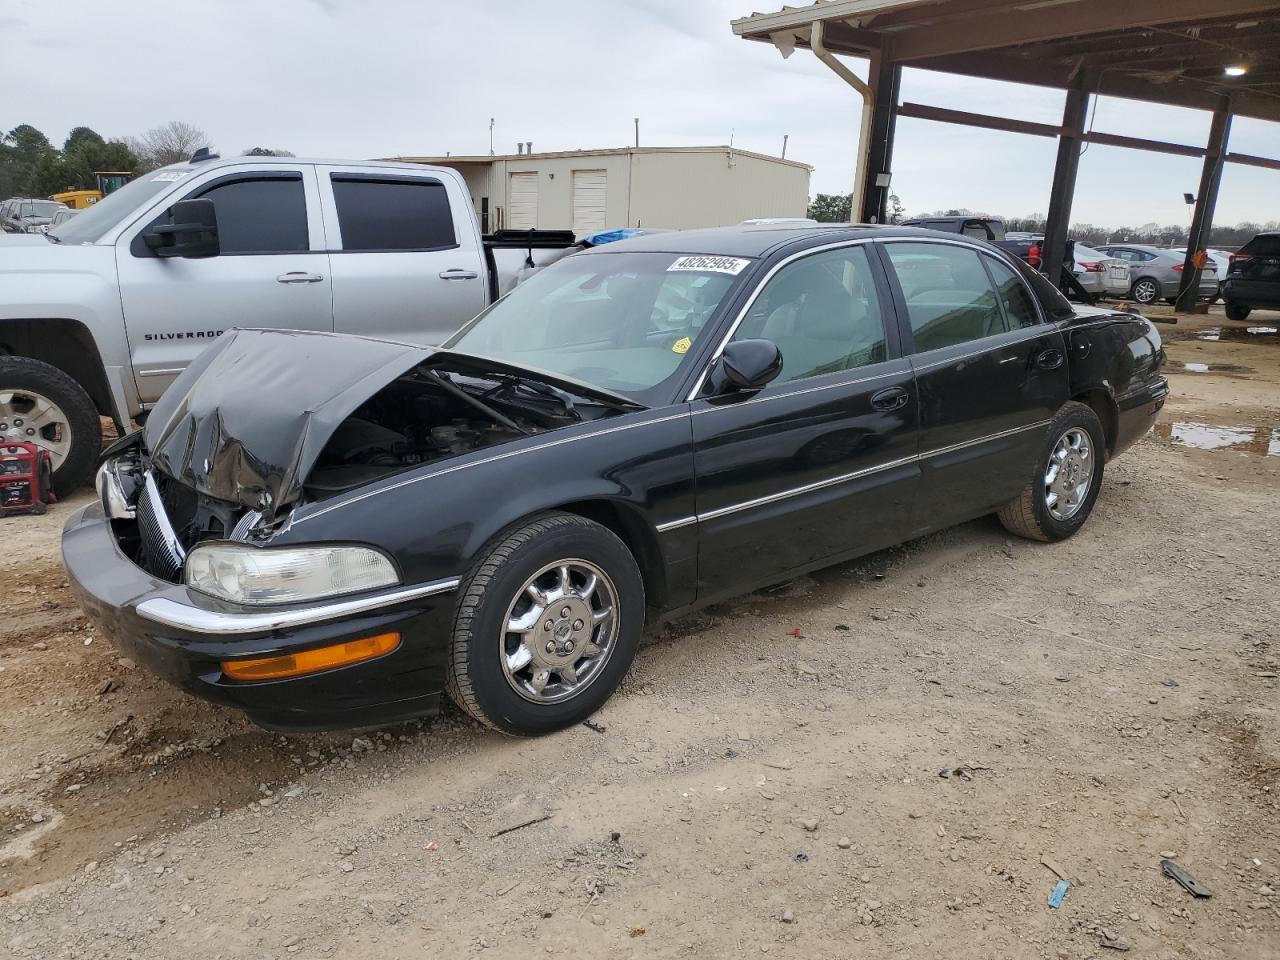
[[192, 231]]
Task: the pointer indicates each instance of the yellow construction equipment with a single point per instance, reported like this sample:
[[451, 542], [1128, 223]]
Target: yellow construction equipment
[[109, 181]]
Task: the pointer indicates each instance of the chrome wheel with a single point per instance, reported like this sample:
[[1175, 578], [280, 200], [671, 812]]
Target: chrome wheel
[[35, 419], [1146, 291], [560, 631], [1069, 475]]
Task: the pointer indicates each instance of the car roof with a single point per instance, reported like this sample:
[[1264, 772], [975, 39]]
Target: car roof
[[758, 240], [218, 162]]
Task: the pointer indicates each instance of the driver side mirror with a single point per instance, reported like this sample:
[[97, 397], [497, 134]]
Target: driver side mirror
[[745, 365], [191, 232]]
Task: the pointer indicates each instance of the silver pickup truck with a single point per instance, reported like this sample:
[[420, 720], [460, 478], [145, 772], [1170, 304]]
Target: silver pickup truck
[[98, 316]]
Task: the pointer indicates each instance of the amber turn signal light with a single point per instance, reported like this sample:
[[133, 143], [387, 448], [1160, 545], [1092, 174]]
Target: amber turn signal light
[[312, 661]]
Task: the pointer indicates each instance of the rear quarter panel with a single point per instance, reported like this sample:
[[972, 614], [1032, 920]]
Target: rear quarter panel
[[1119, 354]]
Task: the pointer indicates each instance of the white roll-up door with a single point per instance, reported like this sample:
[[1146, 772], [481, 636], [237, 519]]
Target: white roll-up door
[[590, 188], [522, 211]]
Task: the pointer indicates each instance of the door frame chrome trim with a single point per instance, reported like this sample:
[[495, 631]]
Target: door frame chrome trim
[[904, 371], [185, 616], [675, 524]]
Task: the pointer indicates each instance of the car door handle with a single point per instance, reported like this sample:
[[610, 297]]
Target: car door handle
[[894, 398], [458, 273], [1049, 359], [297, 276]]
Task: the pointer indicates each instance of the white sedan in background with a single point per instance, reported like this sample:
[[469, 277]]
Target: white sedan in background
[[1100, 274]]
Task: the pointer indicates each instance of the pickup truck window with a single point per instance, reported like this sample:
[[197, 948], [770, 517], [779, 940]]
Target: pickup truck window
[[392, 214], [260, 216], [90, 225]]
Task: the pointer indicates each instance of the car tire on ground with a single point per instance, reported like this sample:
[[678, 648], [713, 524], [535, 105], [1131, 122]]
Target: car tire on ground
[[546, 626], [1065, 480], [1145, 291], [57, 408], [1237, 312]]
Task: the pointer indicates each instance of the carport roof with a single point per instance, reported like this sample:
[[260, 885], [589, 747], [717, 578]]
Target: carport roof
[[1166, 51]]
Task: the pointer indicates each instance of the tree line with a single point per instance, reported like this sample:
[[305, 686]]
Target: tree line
[[31, 166], [834, 208]]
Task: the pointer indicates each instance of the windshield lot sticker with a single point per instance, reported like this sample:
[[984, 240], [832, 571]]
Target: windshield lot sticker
[[729, 265], [682, 345], [171, 176]]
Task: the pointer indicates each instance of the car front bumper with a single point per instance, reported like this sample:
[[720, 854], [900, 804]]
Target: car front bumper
[[184, 637]]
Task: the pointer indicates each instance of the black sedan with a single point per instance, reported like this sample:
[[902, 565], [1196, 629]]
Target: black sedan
[[332, 531]]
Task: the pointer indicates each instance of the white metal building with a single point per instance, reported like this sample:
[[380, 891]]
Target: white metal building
[[665, 187]]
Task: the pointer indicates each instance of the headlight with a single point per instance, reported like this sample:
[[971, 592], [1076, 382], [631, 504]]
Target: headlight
[[257, 575]]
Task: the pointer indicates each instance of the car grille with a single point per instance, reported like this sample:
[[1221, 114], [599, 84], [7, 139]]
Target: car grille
[[161, 555]]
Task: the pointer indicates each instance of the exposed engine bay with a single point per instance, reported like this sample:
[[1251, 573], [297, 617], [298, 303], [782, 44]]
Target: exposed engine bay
[[419, 419]]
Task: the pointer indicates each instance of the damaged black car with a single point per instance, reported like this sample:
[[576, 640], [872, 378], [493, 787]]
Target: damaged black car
[[331, 531]]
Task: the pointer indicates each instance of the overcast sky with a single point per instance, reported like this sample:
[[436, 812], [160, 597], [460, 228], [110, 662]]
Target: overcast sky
[[342, 78]]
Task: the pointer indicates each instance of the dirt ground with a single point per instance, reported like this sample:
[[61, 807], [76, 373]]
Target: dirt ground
[[959, 721]]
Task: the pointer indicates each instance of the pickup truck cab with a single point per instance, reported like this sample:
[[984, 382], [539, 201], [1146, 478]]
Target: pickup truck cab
[[101, 314]]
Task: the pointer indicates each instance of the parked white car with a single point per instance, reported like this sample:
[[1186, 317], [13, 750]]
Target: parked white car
[[1099, 274]]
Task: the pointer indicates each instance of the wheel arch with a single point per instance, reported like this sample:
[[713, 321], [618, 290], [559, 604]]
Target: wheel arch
[[630, 526], [66, 345], [1099, 399]]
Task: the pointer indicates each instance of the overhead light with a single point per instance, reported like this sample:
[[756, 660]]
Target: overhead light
[[1235, 70]]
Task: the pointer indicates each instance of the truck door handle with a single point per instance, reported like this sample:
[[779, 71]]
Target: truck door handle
[[457, 273], [894, 398], [297, 276], [1049, 359]]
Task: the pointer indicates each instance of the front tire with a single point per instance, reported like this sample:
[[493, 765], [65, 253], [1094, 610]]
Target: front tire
[[547, 625], [1238, 312], [1145, 291], [1065, 481], [42, 405]]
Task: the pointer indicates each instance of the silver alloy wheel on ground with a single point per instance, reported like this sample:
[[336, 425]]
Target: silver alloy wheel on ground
[[29, 416], [560, 631], [1146, 291], [1069, 475]]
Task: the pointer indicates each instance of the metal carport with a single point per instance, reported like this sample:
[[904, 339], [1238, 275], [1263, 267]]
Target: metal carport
[[1175, 52]]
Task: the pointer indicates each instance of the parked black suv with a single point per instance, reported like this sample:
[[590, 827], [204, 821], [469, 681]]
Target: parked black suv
[[1254, 277]]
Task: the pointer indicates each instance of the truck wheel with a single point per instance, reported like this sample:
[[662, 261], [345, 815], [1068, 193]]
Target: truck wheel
[[42, 405], [1065, 480], [1237, 312], [547, 625]]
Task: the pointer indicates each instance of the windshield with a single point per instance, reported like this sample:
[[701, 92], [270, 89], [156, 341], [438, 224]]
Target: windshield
[[92, 223], [38, 208], [623, 322]]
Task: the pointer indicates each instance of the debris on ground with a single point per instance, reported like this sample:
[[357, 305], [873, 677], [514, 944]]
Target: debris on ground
[[1184, 879], [1112, 942], [592, 725], [1059, 894]]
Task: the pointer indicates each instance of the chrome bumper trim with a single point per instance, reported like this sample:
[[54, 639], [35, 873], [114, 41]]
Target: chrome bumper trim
[[199, 620]]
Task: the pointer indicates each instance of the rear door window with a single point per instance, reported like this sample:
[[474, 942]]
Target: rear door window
[[1268, 246], [392, 214], [1019, 308], [948, 295]]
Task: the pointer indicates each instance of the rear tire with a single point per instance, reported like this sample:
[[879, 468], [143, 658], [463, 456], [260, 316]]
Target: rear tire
[[578, 631], [1145, 291], [1056, 503], [22, 377], [1238, 312]]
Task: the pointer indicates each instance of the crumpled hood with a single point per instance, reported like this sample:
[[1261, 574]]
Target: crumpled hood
[[247, 419]]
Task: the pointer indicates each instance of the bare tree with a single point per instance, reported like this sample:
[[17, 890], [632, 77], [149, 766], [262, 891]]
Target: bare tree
[[171, 142]]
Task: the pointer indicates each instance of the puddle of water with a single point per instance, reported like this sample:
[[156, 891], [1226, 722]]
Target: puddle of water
[[1214, 368], [1204, 436], [1239, 334]]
